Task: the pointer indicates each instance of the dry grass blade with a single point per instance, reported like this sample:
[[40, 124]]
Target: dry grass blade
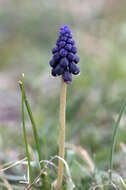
[[35, 180], [70, 184], [54, 166], [41, 172], [123, 147], [102, 187], [6, 183], [13, 164], [49, 162], [8, 186], [84, 155]]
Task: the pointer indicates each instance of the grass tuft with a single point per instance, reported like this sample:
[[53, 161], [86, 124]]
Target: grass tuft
[[115, 132], [25, 135], [33, 124]]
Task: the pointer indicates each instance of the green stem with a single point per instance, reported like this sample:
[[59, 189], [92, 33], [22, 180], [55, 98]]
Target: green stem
[[115, 132], [62, 134], [33, 125], [24, 132]]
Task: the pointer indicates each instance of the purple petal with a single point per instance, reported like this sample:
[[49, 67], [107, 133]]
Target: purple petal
[[62, 43], [53, 73], [71, 41], [74, 68], [52, 63], [64, 62], [74, 49], [55, 49], [76, 59], [71, 56], [68, 47], [64, 38], [63, 52], [59, 70], [67, 77], [56, 56]]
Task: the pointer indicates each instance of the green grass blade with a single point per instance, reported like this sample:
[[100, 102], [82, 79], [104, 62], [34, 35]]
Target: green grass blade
[[33, 125], [24, 133], [115, 132]]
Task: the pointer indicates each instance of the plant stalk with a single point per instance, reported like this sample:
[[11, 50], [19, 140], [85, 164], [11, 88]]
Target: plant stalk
[[25, 135], [33, 125], [62, 134]]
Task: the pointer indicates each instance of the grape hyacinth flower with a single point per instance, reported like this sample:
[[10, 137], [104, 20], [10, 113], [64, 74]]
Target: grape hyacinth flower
[[65, 63], [64, 60]]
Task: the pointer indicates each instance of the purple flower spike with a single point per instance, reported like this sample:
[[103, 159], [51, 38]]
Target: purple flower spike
[[64, 60]]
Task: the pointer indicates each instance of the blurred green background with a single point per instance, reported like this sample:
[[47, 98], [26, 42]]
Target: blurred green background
[[28, 31]]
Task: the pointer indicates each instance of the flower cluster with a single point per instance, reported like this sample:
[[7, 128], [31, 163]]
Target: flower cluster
[[64, 60]]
